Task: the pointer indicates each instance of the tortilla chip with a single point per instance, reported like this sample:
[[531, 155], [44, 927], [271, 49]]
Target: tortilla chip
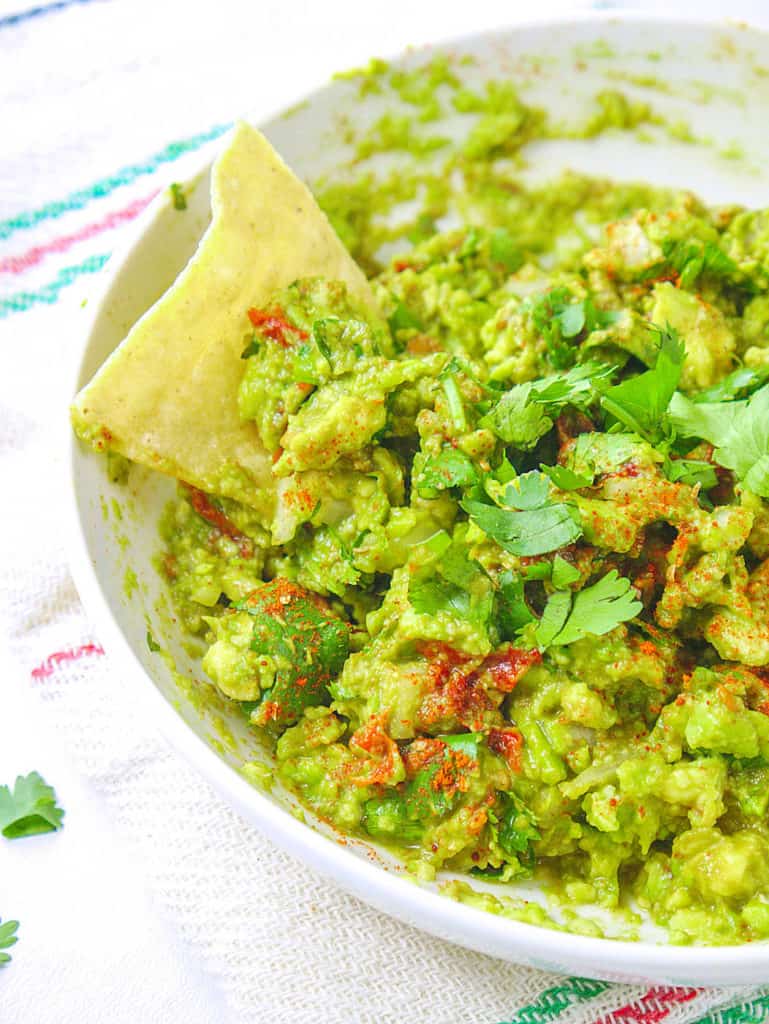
[[167, 396]]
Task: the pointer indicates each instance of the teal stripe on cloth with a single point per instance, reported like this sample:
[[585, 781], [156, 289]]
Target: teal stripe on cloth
[[9, 20], [77, 200], [556, 1000], [49, 293]]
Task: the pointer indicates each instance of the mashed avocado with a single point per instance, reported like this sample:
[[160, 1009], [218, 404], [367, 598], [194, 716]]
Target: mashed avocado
[[510, 615]]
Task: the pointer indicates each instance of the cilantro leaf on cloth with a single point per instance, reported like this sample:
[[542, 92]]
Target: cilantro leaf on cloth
[[639, 403], [29, 809], [590, 612], [738, 430], [531, 524], [8, 938], [306, 642]]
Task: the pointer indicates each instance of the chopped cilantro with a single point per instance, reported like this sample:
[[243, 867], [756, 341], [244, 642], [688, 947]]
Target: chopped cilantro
[[738, 384], [524, 414], [561, 319], [691, 259], [590, 612], [563, 573], [177, 196], [152, 643], [566, 479], [691, 472], [517, 829], [738, 430], [639, 403], [402, 319], [29, 809], [252, 346], [308, 644], [423, 794], [454, 401], [449, 468], [455, 583], [8, 938], [530, 524], [512, 612]]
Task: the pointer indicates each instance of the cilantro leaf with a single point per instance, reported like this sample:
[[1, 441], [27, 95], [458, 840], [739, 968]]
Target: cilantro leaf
[[402, 319], [525, 412], [561, 319], [424, 795], [566, 479], [516, 419], [691, 259], [563, 573], [528, 491], [691, 472], [591, 612], [639, 403], [517, 829], [178, 197], [308, 644], [531, 532], [455, 583], [30, 809], [512, 612], [387, 818], [738, 384], [738, 430], [579, 386], [8, 938], [449, 468]]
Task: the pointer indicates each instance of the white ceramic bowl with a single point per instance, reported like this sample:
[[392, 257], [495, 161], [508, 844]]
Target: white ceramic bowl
[[575, 58]]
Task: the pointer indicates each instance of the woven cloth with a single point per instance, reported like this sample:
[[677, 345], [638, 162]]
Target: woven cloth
[[102, 104]]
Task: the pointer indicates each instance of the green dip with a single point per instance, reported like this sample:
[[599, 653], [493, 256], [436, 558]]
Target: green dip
[[510, 617]]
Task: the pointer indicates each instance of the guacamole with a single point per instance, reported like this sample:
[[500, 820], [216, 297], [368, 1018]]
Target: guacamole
[[507, 609]]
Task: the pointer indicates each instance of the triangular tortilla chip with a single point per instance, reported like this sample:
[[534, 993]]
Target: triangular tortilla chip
[[167, 396]]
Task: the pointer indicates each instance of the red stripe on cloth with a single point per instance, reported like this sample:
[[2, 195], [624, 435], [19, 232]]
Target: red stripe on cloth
[[30, 258], [652, 1007], [53, 661]]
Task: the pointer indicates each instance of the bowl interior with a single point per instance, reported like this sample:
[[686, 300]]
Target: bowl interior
[[711, 80]]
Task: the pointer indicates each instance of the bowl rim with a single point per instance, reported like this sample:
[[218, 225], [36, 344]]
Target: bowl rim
[[387, 890]]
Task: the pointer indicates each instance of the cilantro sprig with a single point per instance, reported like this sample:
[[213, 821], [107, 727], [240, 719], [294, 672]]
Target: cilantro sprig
[[526, 412], [529, 522], [639, 403], [8, 938], [690, 260], [562, 320], [29, 809], [738, 430], [590, 612]]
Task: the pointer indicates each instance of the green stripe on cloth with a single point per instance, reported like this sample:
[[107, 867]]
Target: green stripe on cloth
[[49, 293], [754, 1011], [103, 187], [553, 1002]]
